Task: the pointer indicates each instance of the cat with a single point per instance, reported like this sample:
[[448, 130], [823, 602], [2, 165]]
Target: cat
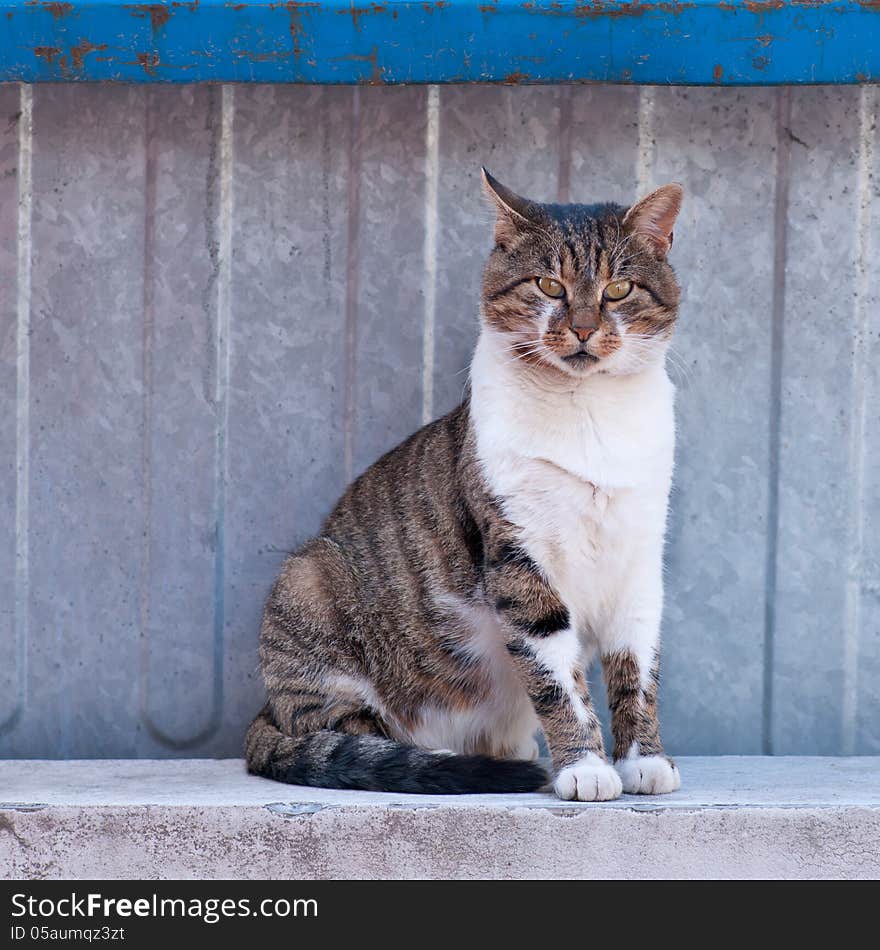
[[445, 613]]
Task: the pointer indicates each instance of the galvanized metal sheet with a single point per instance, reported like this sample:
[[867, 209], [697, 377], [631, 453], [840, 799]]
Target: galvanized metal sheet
[[863, 566], [385, 262], [180, 686], [12, 654], [821, 451], [287, 280], [216, 303], [721, 145], [86, 517]]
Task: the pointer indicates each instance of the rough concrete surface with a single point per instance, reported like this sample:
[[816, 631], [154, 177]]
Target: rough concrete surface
[[736, 817]]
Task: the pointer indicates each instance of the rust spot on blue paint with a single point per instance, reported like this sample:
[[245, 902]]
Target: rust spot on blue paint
[[269, 57], [718, 72], [158, 13], [357, 12], [82, 49], [148, 62], [295, 9], [598, 9], [58, 10], [47, 52], [375, 78]]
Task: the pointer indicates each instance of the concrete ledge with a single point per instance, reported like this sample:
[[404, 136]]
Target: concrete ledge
[[735, 817]]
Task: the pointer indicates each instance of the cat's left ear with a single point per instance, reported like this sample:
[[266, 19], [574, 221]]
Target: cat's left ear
[[654, 217]]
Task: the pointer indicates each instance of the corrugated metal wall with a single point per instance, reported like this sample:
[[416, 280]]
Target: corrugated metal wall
[[218, 304]]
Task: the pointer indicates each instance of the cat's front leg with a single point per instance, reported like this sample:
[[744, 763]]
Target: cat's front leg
[[547, 654], [631, 665]]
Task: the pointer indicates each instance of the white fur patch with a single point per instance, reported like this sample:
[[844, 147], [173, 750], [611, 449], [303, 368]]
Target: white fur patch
[[589, 780], [583, 469], [560, 654], [504, 725], [648, 775]]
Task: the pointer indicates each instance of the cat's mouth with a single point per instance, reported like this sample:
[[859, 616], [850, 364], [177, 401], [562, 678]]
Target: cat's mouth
[[581, 358]]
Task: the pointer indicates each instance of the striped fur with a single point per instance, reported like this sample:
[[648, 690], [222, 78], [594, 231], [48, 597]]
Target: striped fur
[[420, 642]]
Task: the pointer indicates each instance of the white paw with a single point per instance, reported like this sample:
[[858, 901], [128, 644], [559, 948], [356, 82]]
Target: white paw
[[590, 780], [648, 775]]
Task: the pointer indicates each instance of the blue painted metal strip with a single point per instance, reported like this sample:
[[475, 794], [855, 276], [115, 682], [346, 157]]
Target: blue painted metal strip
[[736, 42]]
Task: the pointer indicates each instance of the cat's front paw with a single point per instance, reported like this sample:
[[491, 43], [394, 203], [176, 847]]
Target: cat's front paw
[[590, 780], [648, 775]]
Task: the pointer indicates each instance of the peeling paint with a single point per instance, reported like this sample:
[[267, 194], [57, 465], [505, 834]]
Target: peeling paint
[[79, 52], [148, 62], [47, 52], [58, 10], [263, 57], [597, 9], [158, 13], [376, 78], [493, 41], [357, 12]]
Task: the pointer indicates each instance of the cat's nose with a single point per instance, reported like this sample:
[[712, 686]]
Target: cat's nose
[[584, 333]]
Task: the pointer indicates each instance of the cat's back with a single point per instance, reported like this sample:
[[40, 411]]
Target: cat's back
[[405, 519]]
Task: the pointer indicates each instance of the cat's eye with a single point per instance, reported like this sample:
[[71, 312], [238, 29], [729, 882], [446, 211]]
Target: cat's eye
[[617, 289], [551, 287]]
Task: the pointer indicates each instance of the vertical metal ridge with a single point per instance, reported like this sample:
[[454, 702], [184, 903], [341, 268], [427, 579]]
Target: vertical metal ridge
[[221, 254], [564, 139], [852, 619], [221, 395], [647, 144], [147, 339], [432, 178], [23, 397], [780, 254], [352, 264]]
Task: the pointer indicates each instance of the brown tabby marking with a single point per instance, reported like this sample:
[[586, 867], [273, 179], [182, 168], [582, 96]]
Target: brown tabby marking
[[633, 709]]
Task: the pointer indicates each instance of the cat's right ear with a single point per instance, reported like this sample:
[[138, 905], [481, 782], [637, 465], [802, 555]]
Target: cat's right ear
[[513, 213]]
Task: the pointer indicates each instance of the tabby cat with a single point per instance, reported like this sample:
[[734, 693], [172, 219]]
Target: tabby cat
[[446, 611]]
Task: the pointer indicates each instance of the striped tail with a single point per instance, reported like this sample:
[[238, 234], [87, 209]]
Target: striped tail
[[328, 759]]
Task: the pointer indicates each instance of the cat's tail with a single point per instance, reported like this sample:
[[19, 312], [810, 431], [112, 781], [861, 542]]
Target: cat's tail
[[328, 759]]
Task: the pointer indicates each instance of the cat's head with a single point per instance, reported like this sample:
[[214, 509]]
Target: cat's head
[[582, 289]]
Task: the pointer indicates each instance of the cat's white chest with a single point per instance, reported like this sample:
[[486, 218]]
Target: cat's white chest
[[584, 476]]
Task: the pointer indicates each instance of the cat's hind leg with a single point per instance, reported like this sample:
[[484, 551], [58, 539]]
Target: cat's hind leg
[[323, 724]]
